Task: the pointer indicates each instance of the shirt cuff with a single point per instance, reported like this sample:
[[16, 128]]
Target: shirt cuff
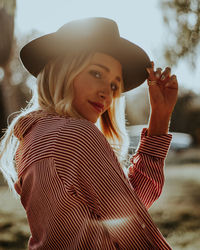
[[157, 146]]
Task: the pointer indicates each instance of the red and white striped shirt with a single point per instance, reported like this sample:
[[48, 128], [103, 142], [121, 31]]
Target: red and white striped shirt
[[75, 192]]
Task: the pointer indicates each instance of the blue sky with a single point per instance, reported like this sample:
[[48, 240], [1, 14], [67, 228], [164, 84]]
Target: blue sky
[[139, 21]]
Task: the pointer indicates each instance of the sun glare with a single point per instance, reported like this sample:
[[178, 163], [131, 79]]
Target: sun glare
[[139, 21]]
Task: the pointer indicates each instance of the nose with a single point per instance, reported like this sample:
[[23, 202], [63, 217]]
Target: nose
[[105, 93]]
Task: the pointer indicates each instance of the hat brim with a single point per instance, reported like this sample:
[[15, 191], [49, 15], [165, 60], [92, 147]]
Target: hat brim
[[134, 60]]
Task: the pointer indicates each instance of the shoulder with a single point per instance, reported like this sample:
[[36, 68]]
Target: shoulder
[[82, 134], [81, 128], [81, 143]]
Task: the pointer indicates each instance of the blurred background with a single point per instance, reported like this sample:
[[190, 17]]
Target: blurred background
[[169, 31]]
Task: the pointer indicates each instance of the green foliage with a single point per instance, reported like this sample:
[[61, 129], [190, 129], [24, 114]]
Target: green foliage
[[182, 18]]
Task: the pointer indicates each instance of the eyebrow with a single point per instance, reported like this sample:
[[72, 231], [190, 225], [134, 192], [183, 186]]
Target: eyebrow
[[108, 70]]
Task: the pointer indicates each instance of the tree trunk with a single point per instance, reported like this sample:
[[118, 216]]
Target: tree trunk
[[9, 102]]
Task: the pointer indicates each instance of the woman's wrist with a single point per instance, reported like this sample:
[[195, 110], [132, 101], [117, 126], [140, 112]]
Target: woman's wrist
[[158, 125]]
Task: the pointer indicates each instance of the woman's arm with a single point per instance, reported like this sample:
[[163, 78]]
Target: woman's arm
[[146, 173]]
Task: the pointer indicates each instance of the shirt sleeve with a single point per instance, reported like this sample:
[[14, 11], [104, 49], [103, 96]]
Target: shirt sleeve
[[146, 173]]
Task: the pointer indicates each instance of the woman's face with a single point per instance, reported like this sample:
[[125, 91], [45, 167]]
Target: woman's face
[[96, 85]]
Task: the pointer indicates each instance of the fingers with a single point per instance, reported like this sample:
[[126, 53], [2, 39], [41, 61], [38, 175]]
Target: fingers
[[166, 74], [158, 73], [161, 78], [172, 83], [151, 71]]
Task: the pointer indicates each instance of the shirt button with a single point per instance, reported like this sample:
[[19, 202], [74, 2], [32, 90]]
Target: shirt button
[[143, 225]]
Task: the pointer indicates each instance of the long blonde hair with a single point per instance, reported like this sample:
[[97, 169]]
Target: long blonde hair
[[54, 93]]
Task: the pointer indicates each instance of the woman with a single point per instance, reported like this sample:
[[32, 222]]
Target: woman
[[69, 175]]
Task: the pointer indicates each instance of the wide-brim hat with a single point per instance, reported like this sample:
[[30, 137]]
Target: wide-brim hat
[[95, 34]]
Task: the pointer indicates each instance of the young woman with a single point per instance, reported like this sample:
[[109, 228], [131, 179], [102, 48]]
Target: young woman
[[68, 145]]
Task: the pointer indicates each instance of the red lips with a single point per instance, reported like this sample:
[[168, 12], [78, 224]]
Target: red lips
[[97, 106]]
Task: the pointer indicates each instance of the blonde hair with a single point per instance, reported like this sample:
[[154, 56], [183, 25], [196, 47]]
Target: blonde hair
[[54, 94]]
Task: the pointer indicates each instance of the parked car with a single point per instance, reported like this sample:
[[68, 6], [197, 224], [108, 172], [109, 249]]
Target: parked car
[[180, 141]]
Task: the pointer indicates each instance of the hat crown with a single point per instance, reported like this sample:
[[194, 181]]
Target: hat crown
[[97, 28]]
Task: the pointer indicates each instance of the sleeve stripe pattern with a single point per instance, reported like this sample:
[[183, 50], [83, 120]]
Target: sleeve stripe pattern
[[146, 174], [154, 145]]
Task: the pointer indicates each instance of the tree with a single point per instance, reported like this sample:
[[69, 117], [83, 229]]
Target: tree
[[185, 117], [6, 30], [179, 119], [7, 12], [182, 18]]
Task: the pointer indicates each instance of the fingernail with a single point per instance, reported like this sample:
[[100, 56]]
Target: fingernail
[[157, 75], [162, 77], [148, 70]]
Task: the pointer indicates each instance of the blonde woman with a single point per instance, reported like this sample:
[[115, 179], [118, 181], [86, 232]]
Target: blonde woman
[[69, 144]]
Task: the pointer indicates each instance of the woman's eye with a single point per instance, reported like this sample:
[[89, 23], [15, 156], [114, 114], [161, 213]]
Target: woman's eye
[[114, 86], [96, 74]]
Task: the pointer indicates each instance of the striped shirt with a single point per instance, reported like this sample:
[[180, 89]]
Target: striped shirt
[[74, 191]]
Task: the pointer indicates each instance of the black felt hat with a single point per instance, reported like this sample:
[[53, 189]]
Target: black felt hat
[[95, 34]]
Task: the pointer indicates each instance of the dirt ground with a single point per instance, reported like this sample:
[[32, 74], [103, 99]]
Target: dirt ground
[[176, 213]]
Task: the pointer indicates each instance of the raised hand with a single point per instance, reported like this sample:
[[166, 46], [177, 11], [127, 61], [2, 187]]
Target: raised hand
[[163, 91]]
